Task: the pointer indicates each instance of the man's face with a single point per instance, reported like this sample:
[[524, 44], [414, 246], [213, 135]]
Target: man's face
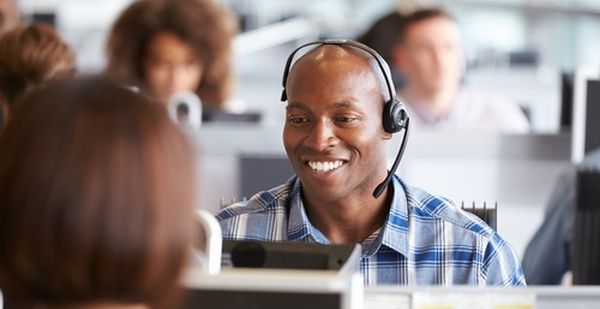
[[430, 56], [333, 133]]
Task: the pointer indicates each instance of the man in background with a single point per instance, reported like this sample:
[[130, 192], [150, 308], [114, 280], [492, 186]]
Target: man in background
[[430, 57]]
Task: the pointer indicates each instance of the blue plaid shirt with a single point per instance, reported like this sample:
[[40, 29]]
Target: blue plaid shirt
[[425, 240]]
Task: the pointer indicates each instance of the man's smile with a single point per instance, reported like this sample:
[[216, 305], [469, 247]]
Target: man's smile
[[325, 166]]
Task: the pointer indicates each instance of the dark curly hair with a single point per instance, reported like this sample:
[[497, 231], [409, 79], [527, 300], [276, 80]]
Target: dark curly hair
[[208, 27], [31, 55]]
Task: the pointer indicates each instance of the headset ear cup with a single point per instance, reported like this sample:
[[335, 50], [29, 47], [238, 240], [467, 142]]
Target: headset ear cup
[[388, 117], [394, 116]]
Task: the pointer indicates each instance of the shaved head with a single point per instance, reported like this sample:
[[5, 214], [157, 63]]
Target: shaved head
[[327, 56]]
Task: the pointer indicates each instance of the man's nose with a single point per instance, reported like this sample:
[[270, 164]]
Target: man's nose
[[321, 136]]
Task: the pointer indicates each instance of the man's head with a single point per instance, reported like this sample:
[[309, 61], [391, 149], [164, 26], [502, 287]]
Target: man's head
[[428, 52], [333, 132]]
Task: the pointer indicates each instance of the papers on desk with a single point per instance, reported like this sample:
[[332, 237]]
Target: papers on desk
[[386, 301], [424, 300], [450, 300]]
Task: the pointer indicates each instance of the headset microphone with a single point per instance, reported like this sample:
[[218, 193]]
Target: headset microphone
[[381, 187]]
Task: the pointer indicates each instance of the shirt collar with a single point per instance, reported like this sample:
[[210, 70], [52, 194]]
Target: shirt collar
[[393, 233], [395, 229], [300, 229]]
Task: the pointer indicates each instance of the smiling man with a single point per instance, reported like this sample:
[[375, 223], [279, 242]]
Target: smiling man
[[335, 139]]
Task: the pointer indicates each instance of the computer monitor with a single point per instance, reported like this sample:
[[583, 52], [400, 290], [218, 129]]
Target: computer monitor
[[291, 255], [586, 108], [229, 117], [566, 100], [586, 247], [259, 172], [592, 125], [44, 17], [272, 288]]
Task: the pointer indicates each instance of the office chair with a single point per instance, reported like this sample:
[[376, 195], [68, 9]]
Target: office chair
[[488, 215]]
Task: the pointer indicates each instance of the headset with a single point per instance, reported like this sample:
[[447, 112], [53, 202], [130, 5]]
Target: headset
[[395, 117]]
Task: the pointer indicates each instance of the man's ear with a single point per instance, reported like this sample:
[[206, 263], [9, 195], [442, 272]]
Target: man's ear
[[386, 135]]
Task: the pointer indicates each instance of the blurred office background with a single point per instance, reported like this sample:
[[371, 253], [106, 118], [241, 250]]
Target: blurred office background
[[515, 48]]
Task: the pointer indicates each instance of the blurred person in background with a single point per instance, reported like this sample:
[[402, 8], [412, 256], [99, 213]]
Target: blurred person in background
[[168, 47], [10, 15], [430, 57], [29, 56], [548, 255], [97, 197], [382, 36]]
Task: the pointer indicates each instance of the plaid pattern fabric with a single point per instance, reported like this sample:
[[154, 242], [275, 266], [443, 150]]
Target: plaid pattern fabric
[[425, 240]]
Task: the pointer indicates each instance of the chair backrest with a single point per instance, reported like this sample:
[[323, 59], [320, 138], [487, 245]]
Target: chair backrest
[[485, 213]]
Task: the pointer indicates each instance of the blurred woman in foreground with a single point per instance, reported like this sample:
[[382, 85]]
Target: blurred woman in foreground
[[96, 195]]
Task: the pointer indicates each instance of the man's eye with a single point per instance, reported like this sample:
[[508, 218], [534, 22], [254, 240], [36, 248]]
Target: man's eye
[[298, 120], [345, 119]]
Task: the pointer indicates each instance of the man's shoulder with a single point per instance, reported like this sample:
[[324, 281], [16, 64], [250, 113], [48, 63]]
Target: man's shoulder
[[428, 207], [262, 217], [437, 221], [270, 201]]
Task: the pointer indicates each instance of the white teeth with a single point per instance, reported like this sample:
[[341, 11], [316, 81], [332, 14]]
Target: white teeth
[[324, 166]]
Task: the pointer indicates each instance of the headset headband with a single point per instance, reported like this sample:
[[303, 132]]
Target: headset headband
[[380, 62]]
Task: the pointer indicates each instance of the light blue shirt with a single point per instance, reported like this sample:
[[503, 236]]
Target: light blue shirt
[[425, 240]]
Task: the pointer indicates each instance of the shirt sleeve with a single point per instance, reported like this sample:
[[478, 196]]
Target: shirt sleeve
[[501, 266]]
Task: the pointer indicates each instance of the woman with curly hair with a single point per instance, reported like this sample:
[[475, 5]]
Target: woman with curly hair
[[166, 47], [29, 56]]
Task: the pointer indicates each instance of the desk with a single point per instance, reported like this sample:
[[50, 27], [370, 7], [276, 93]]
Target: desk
[[320, 289]]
